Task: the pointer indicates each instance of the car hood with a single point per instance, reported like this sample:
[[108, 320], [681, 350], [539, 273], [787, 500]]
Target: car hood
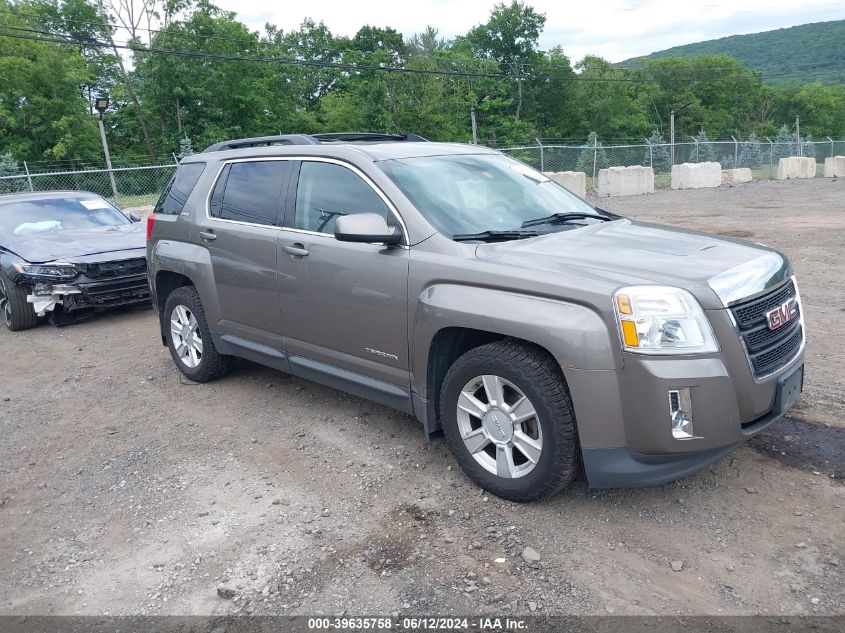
[[626, 252], [77, 245]]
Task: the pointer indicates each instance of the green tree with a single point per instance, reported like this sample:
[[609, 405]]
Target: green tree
[[185, 148], [784, 144], [43, 114], [657, 155], [592, 156], [704, 148], [9, 167], [602, 102], [209, 101], [510, 38], [751, 154]]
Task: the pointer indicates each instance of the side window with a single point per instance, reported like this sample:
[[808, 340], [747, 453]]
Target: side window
[[179, 189], [250, 191], [326, 191]]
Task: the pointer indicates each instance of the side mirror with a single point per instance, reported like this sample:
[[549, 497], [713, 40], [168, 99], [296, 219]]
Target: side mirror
[[371, 228], [134, 217]]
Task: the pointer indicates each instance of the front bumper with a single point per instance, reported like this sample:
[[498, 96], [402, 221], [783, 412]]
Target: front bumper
[[624, 420], [87, 294]]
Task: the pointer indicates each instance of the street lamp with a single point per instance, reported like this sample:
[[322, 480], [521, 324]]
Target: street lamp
[[101, 104]]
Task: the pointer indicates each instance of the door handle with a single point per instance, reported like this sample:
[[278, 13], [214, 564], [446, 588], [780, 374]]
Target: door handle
[[297, 250], [208, 236]]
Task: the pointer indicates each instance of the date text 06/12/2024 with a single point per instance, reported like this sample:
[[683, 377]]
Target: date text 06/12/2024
[[417, 624]]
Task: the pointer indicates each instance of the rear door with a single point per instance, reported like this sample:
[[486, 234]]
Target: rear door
[[240, 227]]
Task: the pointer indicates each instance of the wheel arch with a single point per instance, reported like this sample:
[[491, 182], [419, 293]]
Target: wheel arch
[[449, 344], [166, 281], [450, 319]]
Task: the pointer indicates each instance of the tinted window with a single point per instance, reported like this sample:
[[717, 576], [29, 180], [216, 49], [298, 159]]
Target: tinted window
[[53, 215], [176, 194], [250, 191], [326, 191]]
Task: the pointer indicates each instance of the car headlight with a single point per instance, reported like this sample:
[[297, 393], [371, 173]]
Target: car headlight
[[51, 271], [662, 320]]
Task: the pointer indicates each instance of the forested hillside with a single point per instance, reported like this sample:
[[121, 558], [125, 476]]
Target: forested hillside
[[186, 74], [805, 53]]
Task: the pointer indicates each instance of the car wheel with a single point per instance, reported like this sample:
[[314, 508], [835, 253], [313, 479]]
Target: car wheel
[[189, 339], [15, 312], [508, 420]]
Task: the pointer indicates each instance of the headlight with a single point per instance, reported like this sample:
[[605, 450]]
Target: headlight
[[662, 320], [51, 271]]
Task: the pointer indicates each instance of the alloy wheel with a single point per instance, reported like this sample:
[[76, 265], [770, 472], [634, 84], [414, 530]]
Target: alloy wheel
[[186, 336], [499, 426]]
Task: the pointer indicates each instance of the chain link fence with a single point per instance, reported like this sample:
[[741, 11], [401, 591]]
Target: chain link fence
[[128, 187], [137, 186], [761, 156]]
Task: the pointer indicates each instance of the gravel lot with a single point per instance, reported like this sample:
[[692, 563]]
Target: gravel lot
[[125, 489]]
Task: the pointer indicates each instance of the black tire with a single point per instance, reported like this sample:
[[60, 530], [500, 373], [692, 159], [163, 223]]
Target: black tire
[[540, 379], [212, 364], [16, 313]]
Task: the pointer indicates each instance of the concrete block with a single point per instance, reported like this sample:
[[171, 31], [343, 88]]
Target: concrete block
[[626, 181], [834, 167], [696, 175], [736, 176], [574, 181], [796, 167]]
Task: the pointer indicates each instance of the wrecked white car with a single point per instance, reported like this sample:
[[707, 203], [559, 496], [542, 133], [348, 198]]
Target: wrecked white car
[[67, 254]]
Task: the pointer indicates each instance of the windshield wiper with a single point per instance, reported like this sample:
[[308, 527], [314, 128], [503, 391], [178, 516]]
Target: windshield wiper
[[562, 218], [494, 236]]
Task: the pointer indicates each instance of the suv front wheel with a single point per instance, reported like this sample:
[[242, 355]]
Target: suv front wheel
[[189, 339], [508, 420]]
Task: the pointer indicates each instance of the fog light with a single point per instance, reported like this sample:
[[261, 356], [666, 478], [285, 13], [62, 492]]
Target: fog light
[[680, 413]]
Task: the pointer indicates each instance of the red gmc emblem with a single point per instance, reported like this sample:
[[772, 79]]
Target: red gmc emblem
[[782, 315]]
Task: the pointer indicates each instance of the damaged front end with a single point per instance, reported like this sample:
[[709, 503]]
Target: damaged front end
[[62, 288], [45, 297]]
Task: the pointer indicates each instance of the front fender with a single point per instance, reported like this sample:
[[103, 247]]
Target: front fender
[[575, 334]]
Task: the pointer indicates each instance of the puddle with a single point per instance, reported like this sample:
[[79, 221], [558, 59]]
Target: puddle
[[799, 444]]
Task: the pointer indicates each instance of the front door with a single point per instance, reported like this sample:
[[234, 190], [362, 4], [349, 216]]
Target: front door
[[343, 304], [240, 231]]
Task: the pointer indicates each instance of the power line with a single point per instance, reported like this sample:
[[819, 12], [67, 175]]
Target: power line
[[521, 65], [55, 38]]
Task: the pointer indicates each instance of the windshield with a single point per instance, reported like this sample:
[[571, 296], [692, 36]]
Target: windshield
[[466, 194], [53, 215]]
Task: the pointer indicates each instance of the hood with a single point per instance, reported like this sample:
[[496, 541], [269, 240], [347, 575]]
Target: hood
[[627, 252], [77, 244]]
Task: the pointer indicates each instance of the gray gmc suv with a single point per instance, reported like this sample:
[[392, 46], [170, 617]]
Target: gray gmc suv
[[540, 334]]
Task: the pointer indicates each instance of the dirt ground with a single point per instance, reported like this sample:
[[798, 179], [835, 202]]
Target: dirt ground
[[125, 489]]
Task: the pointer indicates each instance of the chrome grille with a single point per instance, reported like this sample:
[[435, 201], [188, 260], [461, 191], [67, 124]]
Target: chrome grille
[[768, 349]]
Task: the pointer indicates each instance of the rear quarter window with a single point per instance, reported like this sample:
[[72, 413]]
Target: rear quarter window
[[179, 189], [250, 191]]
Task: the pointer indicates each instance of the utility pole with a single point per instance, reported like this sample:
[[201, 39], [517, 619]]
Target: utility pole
[[798, 134], [474, 126], [672, 134], [672, 128], [101, 104]]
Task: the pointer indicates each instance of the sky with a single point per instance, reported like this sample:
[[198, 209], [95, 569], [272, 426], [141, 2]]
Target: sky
[[613, 29]]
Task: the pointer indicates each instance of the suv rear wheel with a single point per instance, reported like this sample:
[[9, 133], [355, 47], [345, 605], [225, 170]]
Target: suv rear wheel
[[15, 311], [508, 420], [189, 339]]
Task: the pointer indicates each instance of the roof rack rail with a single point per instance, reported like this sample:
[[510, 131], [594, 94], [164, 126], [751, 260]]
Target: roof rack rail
[[353, 137], [263, 141], [314, 139]]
